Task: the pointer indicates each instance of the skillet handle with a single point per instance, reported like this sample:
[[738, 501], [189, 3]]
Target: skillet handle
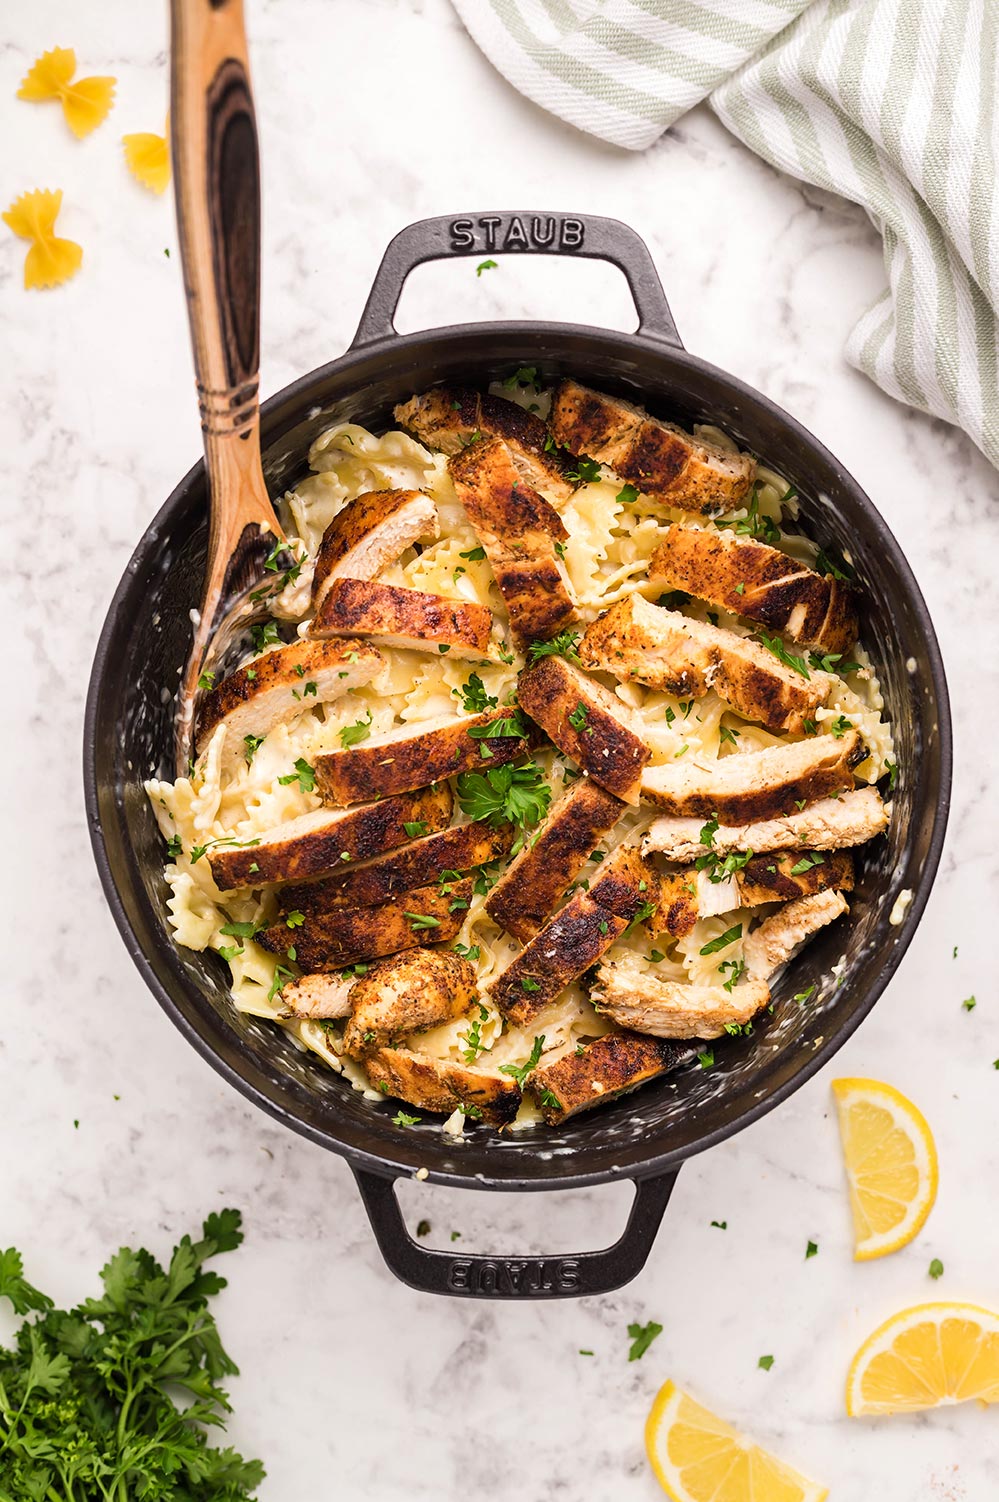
[[586, 1273], [518, 233]]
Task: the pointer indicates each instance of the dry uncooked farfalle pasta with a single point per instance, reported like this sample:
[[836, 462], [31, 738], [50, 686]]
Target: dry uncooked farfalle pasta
[[147, 157], [85, 103], [50, 260]]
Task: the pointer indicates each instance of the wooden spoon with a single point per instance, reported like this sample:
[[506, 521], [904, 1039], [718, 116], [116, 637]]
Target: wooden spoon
[[217, 187]]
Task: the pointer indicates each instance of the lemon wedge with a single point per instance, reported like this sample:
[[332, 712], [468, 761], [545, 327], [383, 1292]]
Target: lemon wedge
[[891, 1164], [926, 1357], [699, 1458]]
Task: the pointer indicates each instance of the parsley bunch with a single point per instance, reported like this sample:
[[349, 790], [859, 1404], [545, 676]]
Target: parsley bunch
[[505, 795], [87, 1395]]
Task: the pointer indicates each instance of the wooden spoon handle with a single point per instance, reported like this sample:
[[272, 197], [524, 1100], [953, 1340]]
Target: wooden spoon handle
[[217, 185]]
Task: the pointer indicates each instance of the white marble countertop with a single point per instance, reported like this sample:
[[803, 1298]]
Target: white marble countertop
[[374, 113]]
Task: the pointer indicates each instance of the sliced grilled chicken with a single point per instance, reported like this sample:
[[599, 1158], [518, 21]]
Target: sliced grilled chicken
[[413, 756], [779, 937], [318, 998], [638, 641], [632, 996], [531, 885], [687, 896], [277, 687], [587, 722], [369, 533], [405, 994], [758, 582], [659, 458], [407, 618], [626, 891], [402, 870], [518, 530], [831, 824], [754, 784], [599, 1072], [449, 418], [323, 840], [438, 1085], [329, 941]]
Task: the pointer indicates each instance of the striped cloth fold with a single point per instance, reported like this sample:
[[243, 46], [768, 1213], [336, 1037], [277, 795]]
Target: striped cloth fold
[[891, 103]]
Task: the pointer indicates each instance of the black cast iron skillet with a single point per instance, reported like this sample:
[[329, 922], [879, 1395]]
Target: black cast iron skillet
[[646, 1136]]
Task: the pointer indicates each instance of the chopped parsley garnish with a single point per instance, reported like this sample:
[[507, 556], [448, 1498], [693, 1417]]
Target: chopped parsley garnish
[[811, 1250], [562, 645], [174, 847], [350, 735], [766, 1362], [776, 646], [506, 725], [812, 858], [415, 828], [505, 795], [645, 911], [550, 1099], [642, 1337], [485, 266], [969, 1004], [709, 830], [585, 470], [577, 717], [727, 734], [936, 1268], [294, 919], [474, 698], [706, 1058], [281, 979], [304, 775], [474, 555], [723, 941], [264, 634], [421, 920], [891, 768], [526, 375], [802, 996], [832, 662], [519, 1072], [423, 1228], [251, 745], [470, 952], [242, 930], [528, 983], [206, 681], [753, 524], [673, 599], [197, 851], [840, 726], [401, 1118], [738, 969], [628, 494], [722, 1225], [825, 563]]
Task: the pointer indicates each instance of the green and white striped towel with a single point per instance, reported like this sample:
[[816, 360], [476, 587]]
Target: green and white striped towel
[[891, 103]]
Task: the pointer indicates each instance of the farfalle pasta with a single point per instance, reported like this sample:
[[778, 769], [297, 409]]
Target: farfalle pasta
[[50, 260], [85, 101]]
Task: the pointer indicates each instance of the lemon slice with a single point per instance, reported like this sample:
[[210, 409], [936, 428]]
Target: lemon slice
[[926, 1357], [891, 1163], [699, 1458]]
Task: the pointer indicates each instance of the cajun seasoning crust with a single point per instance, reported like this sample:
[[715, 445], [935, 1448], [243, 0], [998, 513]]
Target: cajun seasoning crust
[[677, 911], [321, 841], [416, 756], [328, 941], [755, 785], [662, 460], [831, 824], [518, 529], [370, 532], [576, 937], [417, 864], [554, 693], [644, 643], [271, 687], [407, 993], [450, 418], [605, 1068], [531, 885], [768, 878], [781, 594], [409, 618], [438, 1085]]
